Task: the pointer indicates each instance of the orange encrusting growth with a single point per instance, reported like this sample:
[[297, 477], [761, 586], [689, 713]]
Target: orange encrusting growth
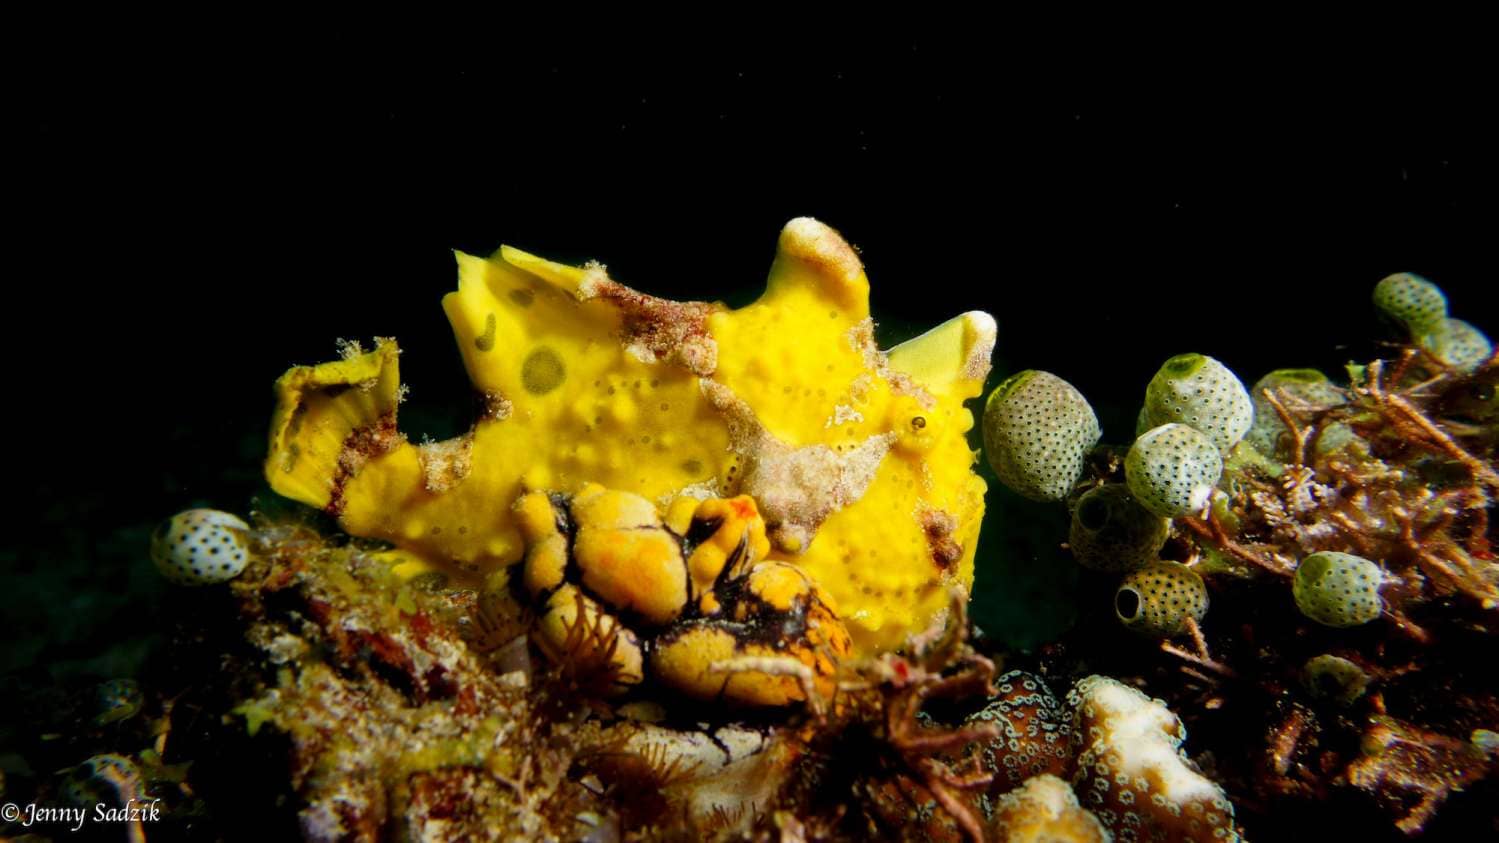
[[757, 633]]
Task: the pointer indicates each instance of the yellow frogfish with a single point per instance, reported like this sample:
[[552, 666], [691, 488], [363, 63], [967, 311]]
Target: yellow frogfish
[[857, 458]]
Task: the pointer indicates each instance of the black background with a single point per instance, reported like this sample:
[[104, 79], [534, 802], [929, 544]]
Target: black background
[[193, 213]]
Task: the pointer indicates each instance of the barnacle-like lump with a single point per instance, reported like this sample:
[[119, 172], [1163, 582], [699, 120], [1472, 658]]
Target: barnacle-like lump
[[857, 458], [1335, 678], [710, 620], [116, 700], [107, 779]]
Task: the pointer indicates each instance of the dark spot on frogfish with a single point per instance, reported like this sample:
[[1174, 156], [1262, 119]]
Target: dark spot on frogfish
[[485, 341], [542, 371]]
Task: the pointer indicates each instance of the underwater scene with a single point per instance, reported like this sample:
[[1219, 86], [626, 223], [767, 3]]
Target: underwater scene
[[552, 449]]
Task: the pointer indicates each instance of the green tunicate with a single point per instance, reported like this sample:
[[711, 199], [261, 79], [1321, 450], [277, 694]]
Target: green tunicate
[[1196, 390], [1295, 388], [1159, 599], [1458, 344], [1111, 531], [1172, 470], [1334, 678], [1037, 431], [1411, 301], [1338, 589]]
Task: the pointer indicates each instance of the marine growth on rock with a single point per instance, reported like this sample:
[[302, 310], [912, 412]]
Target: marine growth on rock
[[698, 572]]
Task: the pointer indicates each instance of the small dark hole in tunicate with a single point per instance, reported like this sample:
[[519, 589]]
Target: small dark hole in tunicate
[[1093, 513]]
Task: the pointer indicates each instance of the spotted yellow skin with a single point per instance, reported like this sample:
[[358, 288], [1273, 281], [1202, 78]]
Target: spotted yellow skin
[[606, 609], [579, 392]]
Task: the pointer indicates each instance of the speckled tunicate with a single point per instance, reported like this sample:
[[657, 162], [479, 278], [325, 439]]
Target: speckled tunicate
[[1338, 589], [1037, 430], [1411, 301], [201, 547], [1334, 678], [1172, 470], [1304, 386], [116, 700], [1159, 599], [1111, 531], [1458, 344], [1196, 390]]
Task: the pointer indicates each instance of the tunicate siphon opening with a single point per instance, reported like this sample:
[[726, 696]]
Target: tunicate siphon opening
[[1127, 604], [1093, 513]]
